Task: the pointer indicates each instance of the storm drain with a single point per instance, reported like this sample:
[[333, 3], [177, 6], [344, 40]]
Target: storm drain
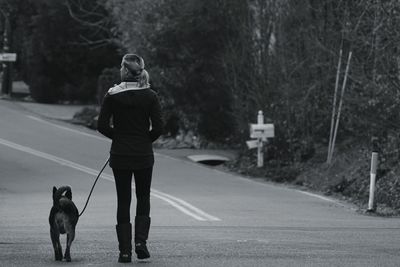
[[212, 160]]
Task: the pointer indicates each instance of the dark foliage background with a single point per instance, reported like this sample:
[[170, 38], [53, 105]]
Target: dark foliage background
[[216, 63], [55, 57]]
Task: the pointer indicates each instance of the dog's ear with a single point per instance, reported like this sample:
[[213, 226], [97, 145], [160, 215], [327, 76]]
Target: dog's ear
[[68, 194], [54, 194]]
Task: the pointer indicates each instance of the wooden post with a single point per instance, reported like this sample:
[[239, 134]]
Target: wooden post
[[6, 86], [260, 153], [260, 117], [260, 132]]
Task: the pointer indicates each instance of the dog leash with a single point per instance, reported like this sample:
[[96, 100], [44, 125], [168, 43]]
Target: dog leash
[[97, 178]]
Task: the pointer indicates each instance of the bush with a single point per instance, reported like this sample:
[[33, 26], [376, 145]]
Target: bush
[[42, 91], [108, 78]]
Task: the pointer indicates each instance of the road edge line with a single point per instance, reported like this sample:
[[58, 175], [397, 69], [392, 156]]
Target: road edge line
[[165, 197]]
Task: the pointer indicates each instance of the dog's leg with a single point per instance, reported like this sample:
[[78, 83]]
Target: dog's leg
[[55, 239], [70, 238]]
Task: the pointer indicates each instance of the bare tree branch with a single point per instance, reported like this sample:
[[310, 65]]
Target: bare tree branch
[[94, 19]]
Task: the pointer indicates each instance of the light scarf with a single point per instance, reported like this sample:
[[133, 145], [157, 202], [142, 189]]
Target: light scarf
[[127, 86]]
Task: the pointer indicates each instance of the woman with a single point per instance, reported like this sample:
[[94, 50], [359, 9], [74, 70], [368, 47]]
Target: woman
[[134, 112]]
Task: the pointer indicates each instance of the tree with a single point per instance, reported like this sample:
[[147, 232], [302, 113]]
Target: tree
[[52, 57], [181, 42], [223, 61]]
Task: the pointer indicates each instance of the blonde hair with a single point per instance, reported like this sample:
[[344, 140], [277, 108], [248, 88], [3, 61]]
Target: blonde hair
[[143, 79], [135, 65]]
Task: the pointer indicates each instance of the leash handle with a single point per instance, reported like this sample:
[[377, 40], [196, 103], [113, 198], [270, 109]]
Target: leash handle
[[91, 191]]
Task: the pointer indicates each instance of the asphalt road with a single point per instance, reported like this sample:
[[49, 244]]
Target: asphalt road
[[200, 216]]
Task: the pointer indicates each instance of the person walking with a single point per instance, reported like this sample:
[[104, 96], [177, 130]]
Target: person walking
[[131, 117]]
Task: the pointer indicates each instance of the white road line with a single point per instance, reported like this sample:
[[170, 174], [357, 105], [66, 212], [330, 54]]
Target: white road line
[[212, 218], [68, 129], [182, 202], [247, 180], [189, 206], [177, 203], [160, 194], [318, 196], [166, 197]]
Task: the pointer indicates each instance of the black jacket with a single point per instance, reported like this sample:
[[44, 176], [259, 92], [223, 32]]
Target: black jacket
[[135, 115]]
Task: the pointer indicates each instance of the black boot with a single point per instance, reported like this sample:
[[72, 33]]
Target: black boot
[[124, 234], [142, 226]]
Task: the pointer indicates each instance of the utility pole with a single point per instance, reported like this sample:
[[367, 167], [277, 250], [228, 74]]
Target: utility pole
[[7, 67]]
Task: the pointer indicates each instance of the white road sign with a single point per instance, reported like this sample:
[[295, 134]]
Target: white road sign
[[8, 57], [262, 130]]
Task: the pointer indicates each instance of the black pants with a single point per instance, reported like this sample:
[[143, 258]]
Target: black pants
[[123, 183]]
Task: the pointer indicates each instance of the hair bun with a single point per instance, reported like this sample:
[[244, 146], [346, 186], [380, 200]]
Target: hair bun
[[134, 63]]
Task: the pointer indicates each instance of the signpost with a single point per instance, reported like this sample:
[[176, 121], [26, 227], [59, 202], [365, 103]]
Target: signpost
[[261, 132], [7, 59]]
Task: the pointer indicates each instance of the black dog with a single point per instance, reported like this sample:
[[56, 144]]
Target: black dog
[[63, 219]]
